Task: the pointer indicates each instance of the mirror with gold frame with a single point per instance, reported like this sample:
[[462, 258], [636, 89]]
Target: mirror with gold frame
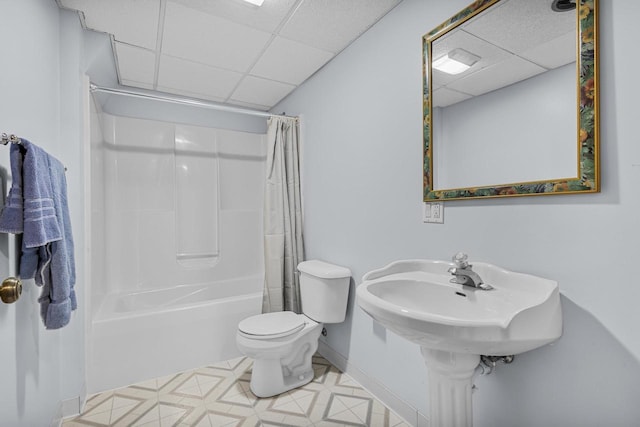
[[521, 118]]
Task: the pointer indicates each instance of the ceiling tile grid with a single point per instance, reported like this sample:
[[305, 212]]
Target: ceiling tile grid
[[200, 37], [501, 25], [443, 97], [489, 54], [508, 48], [276, 63], [256, 90], [552, 54], [176, 75], [133, 22], [227, 50], [267, 17], [333, 24], [137, 65], [496, 76]]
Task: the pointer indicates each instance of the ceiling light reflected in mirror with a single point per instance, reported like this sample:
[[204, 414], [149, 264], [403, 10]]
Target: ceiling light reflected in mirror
[[455, 62]]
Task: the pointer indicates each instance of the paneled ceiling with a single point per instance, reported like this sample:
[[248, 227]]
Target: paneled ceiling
[[227, 51], [515, 40]]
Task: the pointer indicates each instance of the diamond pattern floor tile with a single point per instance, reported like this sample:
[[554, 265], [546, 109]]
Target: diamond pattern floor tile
[[219, 395]]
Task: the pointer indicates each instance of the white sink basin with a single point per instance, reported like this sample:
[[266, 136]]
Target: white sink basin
[[415, 299]]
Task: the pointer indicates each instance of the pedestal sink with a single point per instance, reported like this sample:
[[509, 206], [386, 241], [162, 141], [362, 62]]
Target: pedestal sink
[[456, 324]]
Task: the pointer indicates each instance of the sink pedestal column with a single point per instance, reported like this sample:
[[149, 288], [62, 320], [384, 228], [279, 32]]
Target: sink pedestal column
[[450, 384]]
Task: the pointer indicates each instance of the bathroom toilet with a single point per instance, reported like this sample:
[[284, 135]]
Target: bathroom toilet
[[282, 344]]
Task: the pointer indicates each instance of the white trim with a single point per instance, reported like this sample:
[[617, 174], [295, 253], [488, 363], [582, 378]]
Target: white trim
[[88, 236], [57, 418], [71, 407], [301, 168], [401, 408]]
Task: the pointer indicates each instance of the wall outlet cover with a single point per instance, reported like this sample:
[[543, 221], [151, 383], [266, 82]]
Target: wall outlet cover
[[433, 212]]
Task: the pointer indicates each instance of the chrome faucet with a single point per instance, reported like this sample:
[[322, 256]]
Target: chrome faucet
[[464, 275]]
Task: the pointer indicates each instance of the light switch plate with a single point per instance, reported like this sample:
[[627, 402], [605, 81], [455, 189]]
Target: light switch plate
[[433, 212]]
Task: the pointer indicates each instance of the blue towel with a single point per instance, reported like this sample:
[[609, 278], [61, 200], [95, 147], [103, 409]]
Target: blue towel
[[37, 207], [11, 217]]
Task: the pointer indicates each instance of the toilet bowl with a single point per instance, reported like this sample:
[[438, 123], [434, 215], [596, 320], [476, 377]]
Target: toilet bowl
[[282, 344], [282, 359]]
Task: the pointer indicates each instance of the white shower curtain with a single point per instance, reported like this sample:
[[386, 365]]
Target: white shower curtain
[[283, 247]]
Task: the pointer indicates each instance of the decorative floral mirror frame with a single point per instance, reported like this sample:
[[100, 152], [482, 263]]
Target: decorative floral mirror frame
[[588, 179]]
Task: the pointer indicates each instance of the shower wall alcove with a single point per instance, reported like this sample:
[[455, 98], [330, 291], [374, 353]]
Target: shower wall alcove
[[176, 246]]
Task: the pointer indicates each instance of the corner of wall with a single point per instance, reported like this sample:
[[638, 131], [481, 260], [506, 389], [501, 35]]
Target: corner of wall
[[410, 414], [70, 407]]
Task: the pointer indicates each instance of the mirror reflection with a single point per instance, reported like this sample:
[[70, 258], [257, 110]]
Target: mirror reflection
[[501, 86]]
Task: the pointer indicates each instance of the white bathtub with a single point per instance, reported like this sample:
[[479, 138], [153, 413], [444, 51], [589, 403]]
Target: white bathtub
[[144, 335]]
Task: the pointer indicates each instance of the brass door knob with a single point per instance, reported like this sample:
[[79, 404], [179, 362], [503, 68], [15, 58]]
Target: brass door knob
[[10, 290]]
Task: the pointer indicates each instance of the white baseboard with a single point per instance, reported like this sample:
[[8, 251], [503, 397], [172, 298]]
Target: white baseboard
[[57, 419], [390, 400], [71, 407]]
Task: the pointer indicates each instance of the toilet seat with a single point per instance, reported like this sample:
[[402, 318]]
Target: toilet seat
[[272, 325]]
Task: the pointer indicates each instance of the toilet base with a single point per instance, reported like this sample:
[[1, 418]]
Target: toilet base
[[272, 376]]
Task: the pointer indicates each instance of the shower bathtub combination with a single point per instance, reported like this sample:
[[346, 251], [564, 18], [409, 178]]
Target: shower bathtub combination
[[177, 255], [151, 334]]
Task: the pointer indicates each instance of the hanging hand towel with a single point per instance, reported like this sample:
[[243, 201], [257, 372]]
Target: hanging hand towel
[[39, 191]]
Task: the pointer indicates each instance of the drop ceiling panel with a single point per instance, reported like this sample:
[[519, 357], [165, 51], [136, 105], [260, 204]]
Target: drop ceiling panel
[[519, 25], [249, 105], [554, 53], [176, 75], [276, 63], [255, 90], [136, 65], [509, 48], [132, 22], [488, 53], [208, 39], [444, 97], [332, 24], [497, 76], [208, 48], [266, 17]]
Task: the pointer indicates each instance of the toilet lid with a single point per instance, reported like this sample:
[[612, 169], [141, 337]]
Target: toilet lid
[[272, 325]]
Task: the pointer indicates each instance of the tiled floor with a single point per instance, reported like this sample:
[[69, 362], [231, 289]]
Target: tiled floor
[[219, 395]]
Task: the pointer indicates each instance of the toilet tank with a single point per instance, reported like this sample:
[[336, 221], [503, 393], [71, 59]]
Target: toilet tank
[[324, 290]]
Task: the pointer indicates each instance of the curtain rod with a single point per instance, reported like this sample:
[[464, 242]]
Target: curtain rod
[[185, 101]]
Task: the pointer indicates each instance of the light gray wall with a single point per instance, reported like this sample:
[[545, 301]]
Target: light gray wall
[[40, 101], [525, 149], [362, 187]]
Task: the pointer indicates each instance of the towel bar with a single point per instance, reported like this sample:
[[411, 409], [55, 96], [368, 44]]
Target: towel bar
[[5, 139]]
